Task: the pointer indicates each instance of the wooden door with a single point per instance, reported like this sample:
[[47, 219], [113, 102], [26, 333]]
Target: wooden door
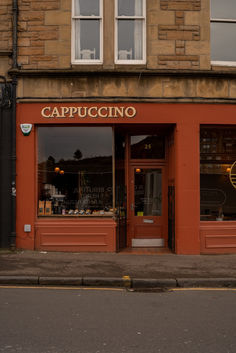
[[146, 205]]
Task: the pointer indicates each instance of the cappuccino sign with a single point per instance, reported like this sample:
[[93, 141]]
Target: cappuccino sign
[[88, 112]]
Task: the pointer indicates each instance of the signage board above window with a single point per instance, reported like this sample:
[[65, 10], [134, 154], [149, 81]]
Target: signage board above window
[[88, 112]]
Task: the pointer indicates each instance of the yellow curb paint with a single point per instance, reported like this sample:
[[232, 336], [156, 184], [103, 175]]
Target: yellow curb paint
[[62, 288], [126, 281]]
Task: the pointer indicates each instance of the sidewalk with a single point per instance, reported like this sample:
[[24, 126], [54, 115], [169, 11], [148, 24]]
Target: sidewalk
[[108, 269]]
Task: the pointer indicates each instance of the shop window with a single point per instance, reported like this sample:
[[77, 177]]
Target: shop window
[[130, 31], [75, 171], [120, 189], [147, 147], [218, 174], [87, 31], [223, 29]]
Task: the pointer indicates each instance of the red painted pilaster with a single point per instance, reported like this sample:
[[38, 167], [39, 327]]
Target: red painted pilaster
[[187, 204]]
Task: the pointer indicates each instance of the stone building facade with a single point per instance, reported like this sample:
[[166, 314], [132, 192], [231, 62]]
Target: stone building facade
[[176, 91]]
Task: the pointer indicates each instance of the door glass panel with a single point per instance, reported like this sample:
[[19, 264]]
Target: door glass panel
[[147, 147], [148, 192]]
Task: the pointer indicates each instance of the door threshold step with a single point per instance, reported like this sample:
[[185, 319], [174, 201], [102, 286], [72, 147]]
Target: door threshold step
[[144, 242]]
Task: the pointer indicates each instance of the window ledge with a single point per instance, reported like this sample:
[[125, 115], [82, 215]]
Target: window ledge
[[223, 65]]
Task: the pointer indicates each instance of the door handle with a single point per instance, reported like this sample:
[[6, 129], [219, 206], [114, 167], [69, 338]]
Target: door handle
[[132, 206]]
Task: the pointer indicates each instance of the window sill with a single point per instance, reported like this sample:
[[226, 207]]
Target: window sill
[[226, 65], [86, 62], [106, 215]]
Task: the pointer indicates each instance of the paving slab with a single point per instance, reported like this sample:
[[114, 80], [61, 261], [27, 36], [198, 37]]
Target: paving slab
[[108, 268]]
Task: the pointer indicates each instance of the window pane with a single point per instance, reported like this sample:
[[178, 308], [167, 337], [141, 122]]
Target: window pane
[[87, 8], [130, 40], [130, 7], [223, 9], [223, 37], [87, 39], [74, 171], [218, 195], [147, 147], [148, 192]]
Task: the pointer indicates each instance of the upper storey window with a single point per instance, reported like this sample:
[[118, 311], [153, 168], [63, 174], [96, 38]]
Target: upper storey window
[[223, 32], [87, 31], [130, 33]]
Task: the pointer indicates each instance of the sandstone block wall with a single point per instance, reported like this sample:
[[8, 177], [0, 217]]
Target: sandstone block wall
[[150, 87], [44, 34], [177, 34], [5, 25], [5, 35]]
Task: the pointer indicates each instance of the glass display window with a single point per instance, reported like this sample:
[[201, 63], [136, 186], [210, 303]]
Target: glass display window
[[217, 178], [75, 171]]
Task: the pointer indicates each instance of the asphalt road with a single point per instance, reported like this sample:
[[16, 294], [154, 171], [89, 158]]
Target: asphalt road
[[41, 320]]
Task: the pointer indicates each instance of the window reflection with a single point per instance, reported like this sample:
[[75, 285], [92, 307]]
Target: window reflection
[[222, 37], [87, 7], [130, 40], [75, 171], [217, 153], [223, 9], [130, 8], [87, 35]]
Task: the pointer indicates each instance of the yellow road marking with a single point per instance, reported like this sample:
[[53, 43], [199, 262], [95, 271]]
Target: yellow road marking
[[63, 288], [110, 289], [203, 289]]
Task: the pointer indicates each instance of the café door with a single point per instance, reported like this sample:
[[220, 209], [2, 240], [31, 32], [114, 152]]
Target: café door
[[146, 206]]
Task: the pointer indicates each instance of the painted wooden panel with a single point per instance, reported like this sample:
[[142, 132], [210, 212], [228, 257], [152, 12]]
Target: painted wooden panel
[[76, 236], [218, 237]]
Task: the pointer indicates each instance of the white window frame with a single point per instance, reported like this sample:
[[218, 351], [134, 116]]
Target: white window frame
[[117, 18], [223, 20], [74, 19]]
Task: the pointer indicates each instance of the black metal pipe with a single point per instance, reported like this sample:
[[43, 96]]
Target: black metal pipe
[[14, 33], [12, 238], [5, 161]]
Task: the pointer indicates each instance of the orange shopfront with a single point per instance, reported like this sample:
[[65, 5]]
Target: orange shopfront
[[105, 176]]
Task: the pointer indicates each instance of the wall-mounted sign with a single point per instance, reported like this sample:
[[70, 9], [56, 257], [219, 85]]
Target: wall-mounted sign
[[88, 112], [26, 129]]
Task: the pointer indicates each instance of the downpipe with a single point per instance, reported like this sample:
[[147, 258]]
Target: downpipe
[[12, 237]]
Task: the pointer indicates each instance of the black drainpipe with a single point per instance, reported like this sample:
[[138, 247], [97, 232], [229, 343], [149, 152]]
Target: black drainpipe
[[12, 240]]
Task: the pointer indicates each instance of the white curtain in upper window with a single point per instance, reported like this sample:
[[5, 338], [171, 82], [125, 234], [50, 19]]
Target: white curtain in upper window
[[77, 31], [138, 31]]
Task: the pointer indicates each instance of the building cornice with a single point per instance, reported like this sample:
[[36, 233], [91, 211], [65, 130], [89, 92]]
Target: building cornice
[[123, 72]]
